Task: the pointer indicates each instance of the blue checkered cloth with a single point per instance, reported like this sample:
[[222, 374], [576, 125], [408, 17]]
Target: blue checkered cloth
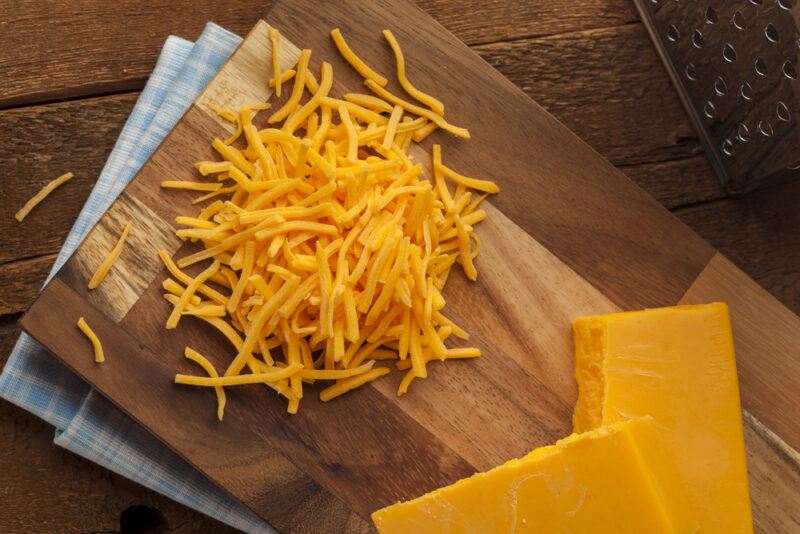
[[86, 423]]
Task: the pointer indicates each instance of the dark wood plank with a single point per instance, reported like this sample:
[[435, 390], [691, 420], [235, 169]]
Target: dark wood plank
[[94, 49], [678, 182], [21, 281], [607, 85], [99, 47], [9, 332], [485, 21], [760, 233], [48, 141]]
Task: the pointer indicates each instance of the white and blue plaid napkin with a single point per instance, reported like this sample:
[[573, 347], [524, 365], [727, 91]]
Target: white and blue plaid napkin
[[86, 423]]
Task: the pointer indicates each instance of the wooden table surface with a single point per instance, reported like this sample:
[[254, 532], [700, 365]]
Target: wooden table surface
[[71, 75]]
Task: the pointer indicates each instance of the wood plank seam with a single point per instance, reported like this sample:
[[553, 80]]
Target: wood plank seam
[[135, 89], [33, 257], [790, 455]]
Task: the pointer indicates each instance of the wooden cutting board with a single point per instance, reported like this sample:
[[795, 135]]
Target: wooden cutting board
[[568, 235]]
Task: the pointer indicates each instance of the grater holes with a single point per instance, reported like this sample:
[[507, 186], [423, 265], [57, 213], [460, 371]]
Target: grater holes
[[756, 2], [760, 66], [709, 110], [785, 4], [729, 53], [738, 21], [720, 87], [697, 39], [711, 16], [789, 70], [690, 71], [672, 33], [743, 133], [765, 128], [746, 90], [771, 33], [782, 111], [727, 147]]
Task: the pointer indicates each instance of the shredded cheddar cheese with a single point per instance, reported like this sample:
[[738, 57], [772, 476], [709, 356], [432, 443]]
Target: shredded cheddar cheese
[[285, 76], [38, 197], [203, 362], [275, 39], [272, 375], [425, 98], [108, 262], [347, 53], [191, 186], [416, 110], [328, 245], [99, 357]]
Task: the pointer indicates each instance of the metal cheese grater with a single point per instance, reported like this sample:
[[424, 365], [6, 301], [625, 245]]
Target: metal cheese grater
[[735, 65]]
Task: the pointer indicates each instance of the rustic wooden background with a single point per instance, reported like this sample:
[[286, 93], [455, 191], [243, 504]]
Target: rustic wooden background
[[71, 73]]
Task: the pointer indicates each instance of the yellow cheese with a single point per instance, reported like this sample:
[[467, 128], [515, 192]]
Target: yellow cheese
[[38, 197], [108, 261], [356, 62], [605, 480], [99, 357], [329, 241], [677, 365], [275, 40], [201, 360]]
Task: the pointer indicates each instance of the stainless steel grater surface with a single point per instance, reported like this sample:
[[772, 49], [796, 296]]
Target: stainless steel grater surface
[[735, 65]]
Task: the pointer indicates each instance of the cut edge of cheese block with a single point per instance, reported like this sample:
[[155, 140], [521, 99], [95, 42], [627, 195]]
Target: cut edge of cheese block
[[632, 473], [589, 334], [591, 346], [602, 401]]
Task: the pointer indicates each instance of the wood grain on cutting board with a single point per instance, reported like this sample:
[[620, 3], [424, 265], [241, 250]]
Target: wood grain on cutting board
[[568, 235]]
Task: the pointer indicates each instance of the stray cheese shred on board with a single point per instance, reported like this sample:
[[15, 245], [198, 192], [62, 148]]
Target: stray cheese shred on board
[[38, 197], [108, 262], [325, 246], [99, 357]]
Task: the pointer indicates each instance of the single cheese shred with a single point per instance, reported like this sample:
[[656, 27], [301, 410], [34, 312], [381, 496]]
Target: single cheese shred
[[275, 39], [323, 254], [357, 63], [38, 197], [108, 262], [99, 357], [428, 100]]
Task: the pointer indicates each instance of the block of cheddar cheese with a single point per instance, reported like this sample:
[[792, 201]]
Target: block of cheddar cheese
[[678, 366], [607, 480]]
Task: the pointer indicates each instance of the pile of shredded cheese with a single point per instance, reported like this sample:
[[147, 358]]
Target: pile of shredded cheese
[[326, 240]]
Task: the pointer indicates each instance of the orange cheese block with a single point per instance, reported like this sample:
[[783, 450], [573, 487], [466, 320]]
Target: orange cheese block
[[677, 365], [605, 480]]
